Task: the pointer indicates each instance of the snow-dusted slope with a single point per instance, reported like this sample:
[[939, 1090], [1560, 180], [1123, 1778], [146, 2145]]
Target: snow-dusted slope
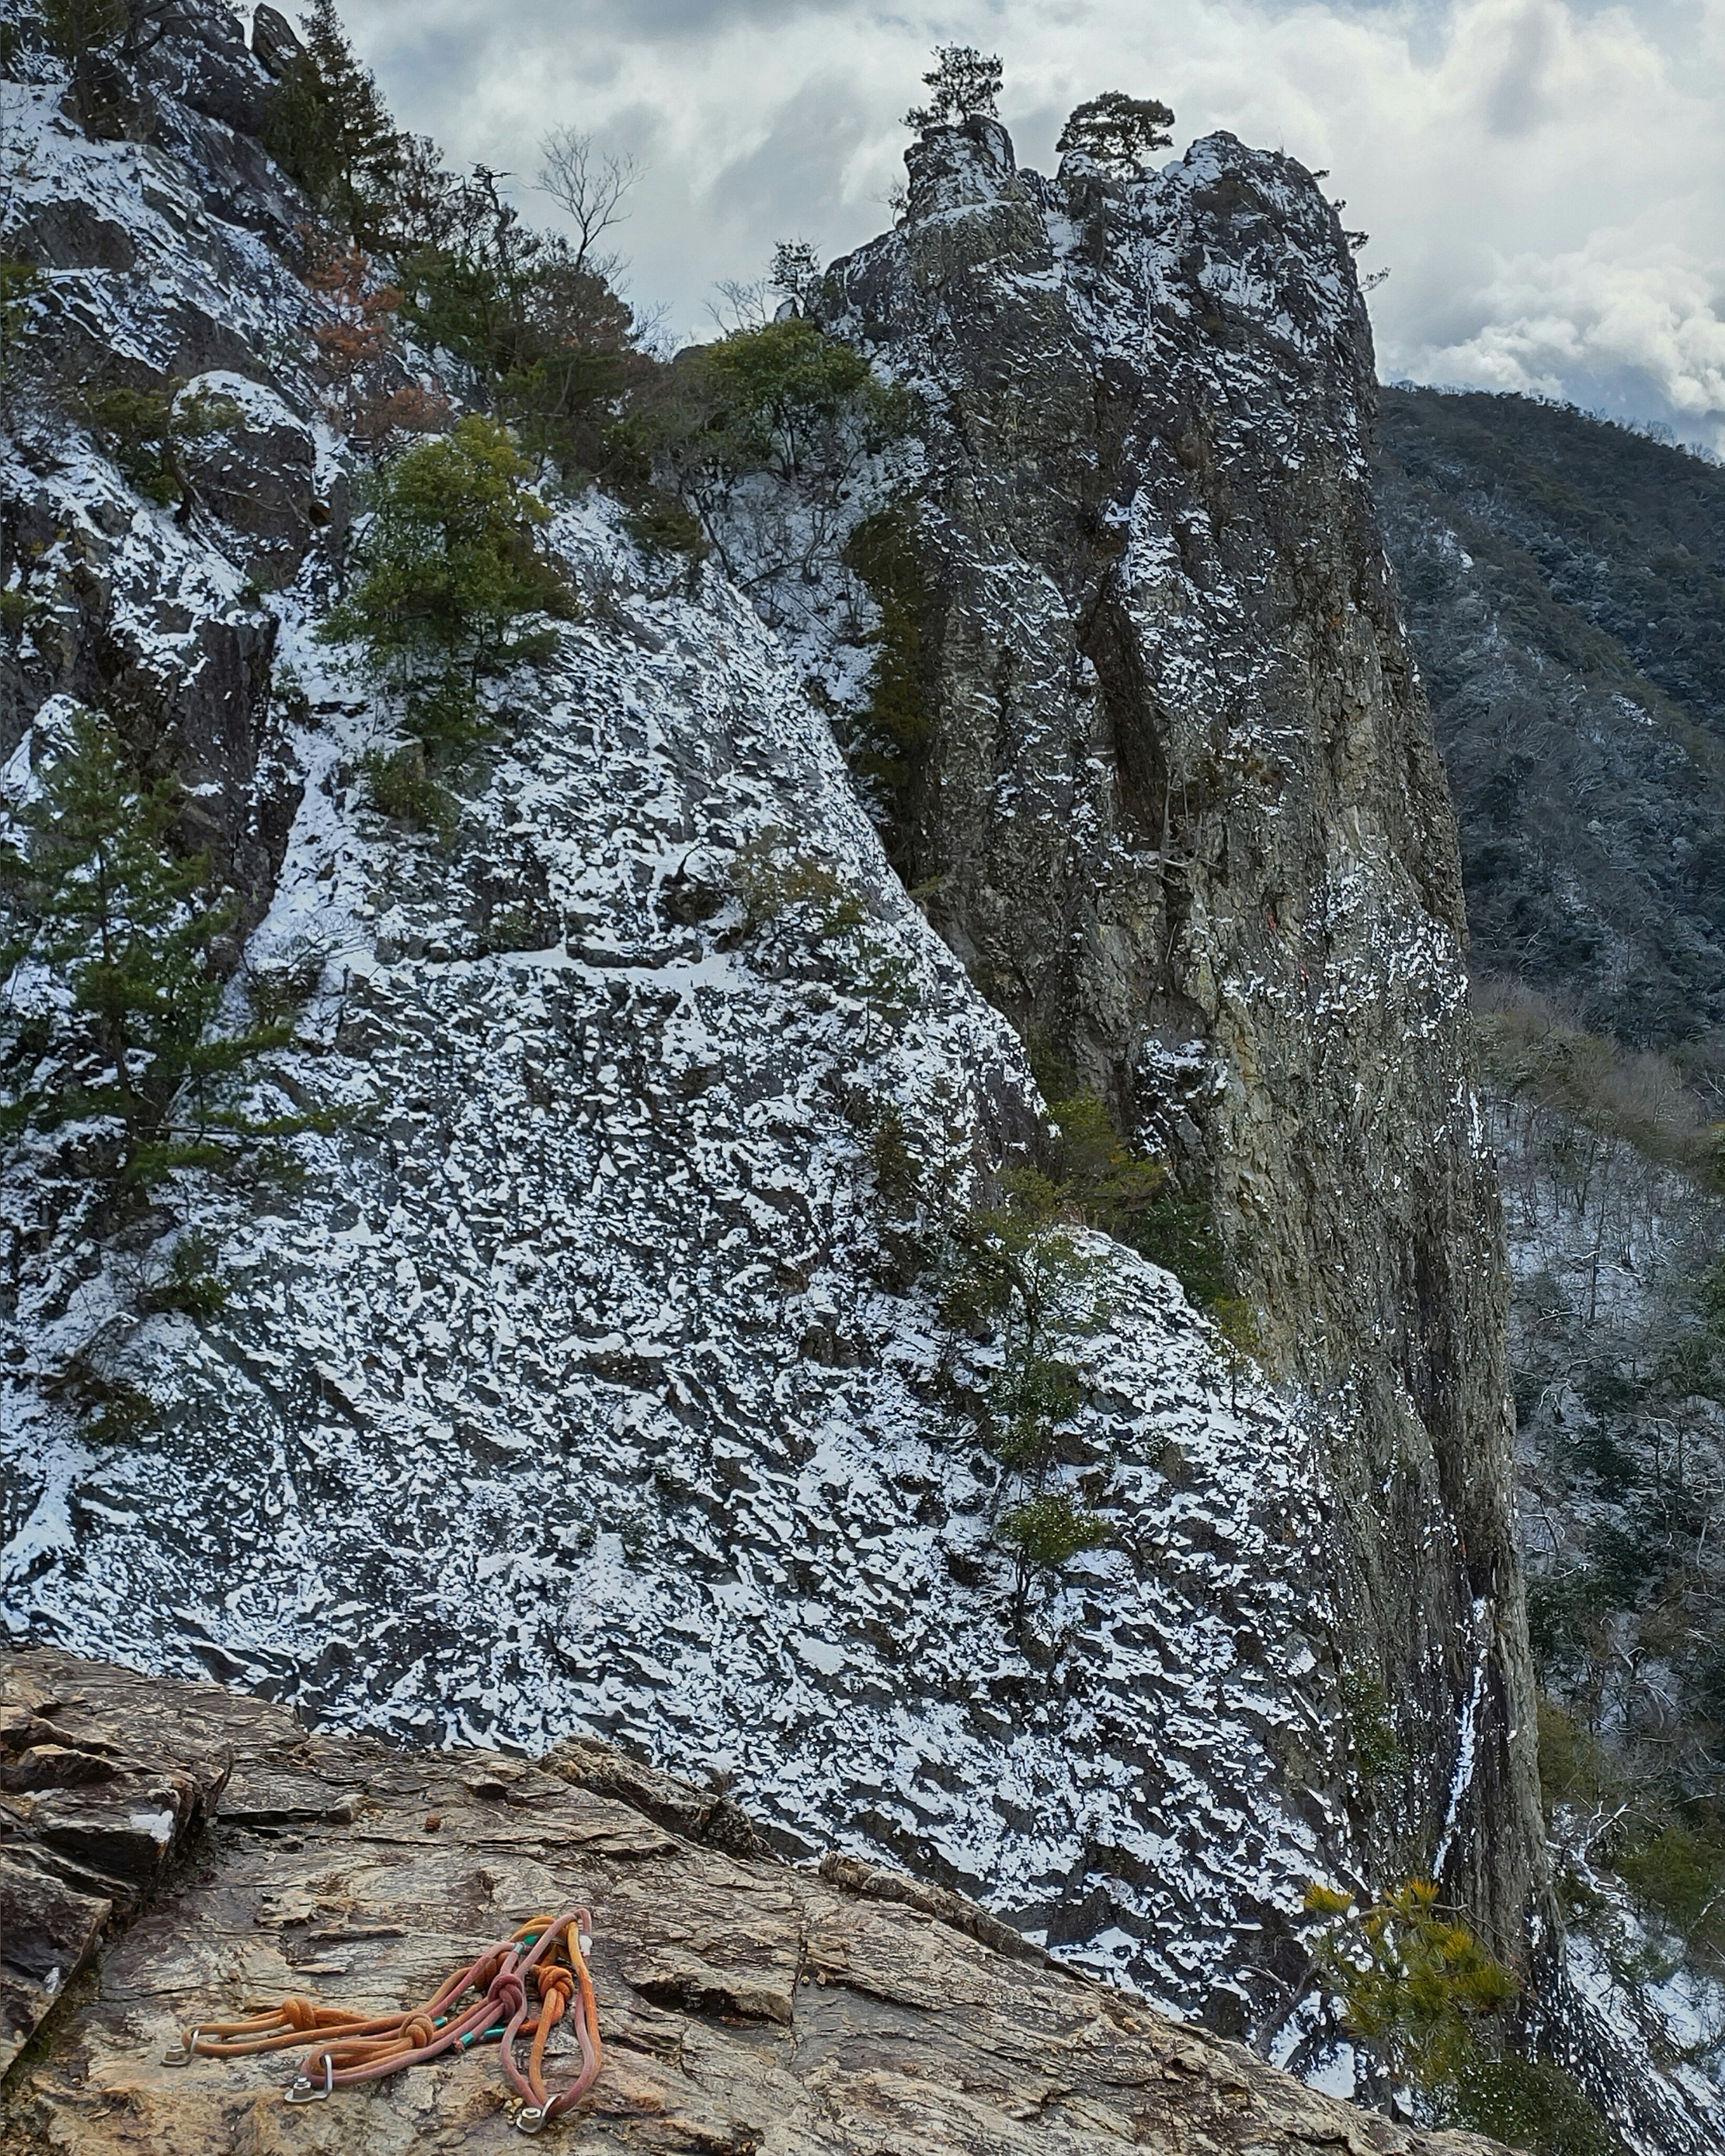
[[564, 1398], [578, 1386]]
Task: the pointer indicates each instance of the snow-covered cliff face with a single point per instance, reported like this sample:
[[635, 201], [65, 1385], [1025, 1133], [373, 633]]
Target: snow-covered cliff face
[[567, 1397], [583, 1385], [1182, 816]]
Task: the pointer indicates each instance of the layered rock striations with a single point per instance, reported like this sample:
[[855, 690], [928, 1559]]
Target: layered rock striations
[[1180, 811], [746, 2006]]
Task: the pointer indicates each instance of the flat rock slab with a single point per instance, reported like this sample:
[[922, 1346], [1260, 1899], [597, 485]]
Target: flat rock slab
[[749, 2009]]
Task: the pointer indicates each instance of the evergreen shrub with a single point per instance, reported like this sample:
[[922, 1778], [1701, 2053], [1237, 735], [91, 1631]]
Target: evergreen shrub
[[115, 982], [191, 1285], [1420, 1992], [399, 786], [450, 577]]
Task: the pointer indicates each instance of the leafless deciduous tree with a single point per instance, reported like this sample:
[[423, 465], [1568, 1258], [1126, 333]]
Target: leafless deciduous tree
[[592, 186], [744, 303]]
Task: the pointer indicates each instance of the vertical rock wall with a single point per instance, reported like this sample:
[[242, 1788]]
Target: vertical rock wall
[[1182, 816]]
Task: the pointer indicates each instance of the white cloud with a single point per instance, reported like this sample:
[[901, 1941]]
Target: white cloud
[[1628, 327], [1545, 181]]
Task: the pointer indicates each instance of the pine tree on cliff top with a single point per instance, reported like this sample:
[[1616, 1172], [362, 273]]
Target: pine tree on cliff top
[[964, 83], [1116, 129]]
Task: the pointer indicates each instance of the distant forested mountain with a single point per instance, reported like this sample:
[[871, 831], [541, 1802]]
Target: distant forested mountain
[[1564, 581]]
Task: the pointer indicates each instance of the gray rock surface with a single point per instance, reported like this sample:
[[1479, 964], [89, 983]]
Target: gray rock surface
[[580, 1388], [1181, 817], [274, 41], [256, 469]]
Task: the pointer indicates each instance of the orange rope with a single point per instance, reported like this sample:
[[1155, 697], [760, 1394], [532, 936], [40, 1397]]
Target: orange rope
[[545, 1957]]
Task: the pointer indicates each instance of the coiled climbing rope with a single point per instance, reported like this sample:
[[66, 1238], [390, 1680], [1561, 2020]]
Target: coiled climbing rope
[[525, 1983]]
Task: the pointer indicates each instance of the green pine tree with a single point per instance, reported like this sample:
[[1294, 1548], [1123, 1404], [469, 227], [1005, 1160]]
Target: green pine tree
[[75, 28], [449, 572], [328, 125], [113, 990]]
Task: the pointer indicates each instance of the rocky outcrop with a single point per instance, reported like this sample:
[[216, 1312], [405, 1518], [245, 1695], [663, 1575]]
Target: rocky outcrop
[[745, 2006], [581, 1381], [595, 1376], [1180, 813], [584, 1383], [135, 574]]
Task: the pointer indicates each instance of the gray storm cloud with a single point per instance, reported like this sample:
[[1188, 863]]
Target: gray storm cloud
[[1542, 181]]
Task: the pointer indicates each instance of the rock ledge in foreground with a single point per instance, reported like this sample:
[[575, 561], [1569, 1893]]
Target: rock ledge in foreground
[[190, 1850]]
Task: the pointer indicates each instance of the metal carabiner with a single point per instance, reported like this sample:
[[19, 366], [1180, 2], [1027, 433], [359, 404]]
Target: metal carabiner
[[182, 2053], [303, 2090]]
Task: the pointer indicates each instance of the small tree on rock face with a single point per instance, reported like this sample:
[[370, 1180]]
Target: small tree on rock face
[[77, 28], [795, 271], [449, 573], [1422, 1995], [783, 398], [532, 316], [328, 125], [964, 84], [113, 987], [359, 365], [1044, 1534], [1118, 130]]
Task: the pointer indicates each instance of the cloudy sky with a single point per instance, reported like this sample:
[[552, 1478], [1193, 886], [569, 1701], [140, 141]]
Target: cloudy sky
[[1545, 182]]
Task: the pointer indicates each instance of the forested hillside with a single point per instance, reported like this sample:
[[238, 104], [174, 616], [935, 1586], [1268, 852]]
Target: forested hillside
[[1564, 582], [1565, 586]]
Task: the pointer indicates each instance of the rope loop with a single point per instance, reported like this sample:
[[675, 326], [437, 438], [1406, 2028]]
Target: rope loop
[[522, 1987]]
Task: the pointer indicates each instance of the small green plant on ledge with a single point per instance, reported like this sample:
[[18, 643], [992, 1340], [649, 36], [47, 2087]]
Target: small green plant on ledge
[[1418, 1991], [144, 430], [191, 1285], [781, 400], [808, 910], [1135, 1200], [399, 785], [452, 586], [1379, 1755], [890, 738], [1045, 1533], [1015, 1279], [111, 1410]]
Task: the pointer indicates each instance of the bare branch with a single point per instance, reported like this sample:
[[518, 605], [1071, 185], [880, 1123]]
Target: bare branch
[[591, 185], [747, 304]]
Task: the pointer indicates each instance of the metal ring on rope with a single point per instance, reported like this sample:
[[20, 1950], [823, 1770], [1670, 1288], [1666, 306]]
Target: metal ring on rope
[[526, 1985]]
